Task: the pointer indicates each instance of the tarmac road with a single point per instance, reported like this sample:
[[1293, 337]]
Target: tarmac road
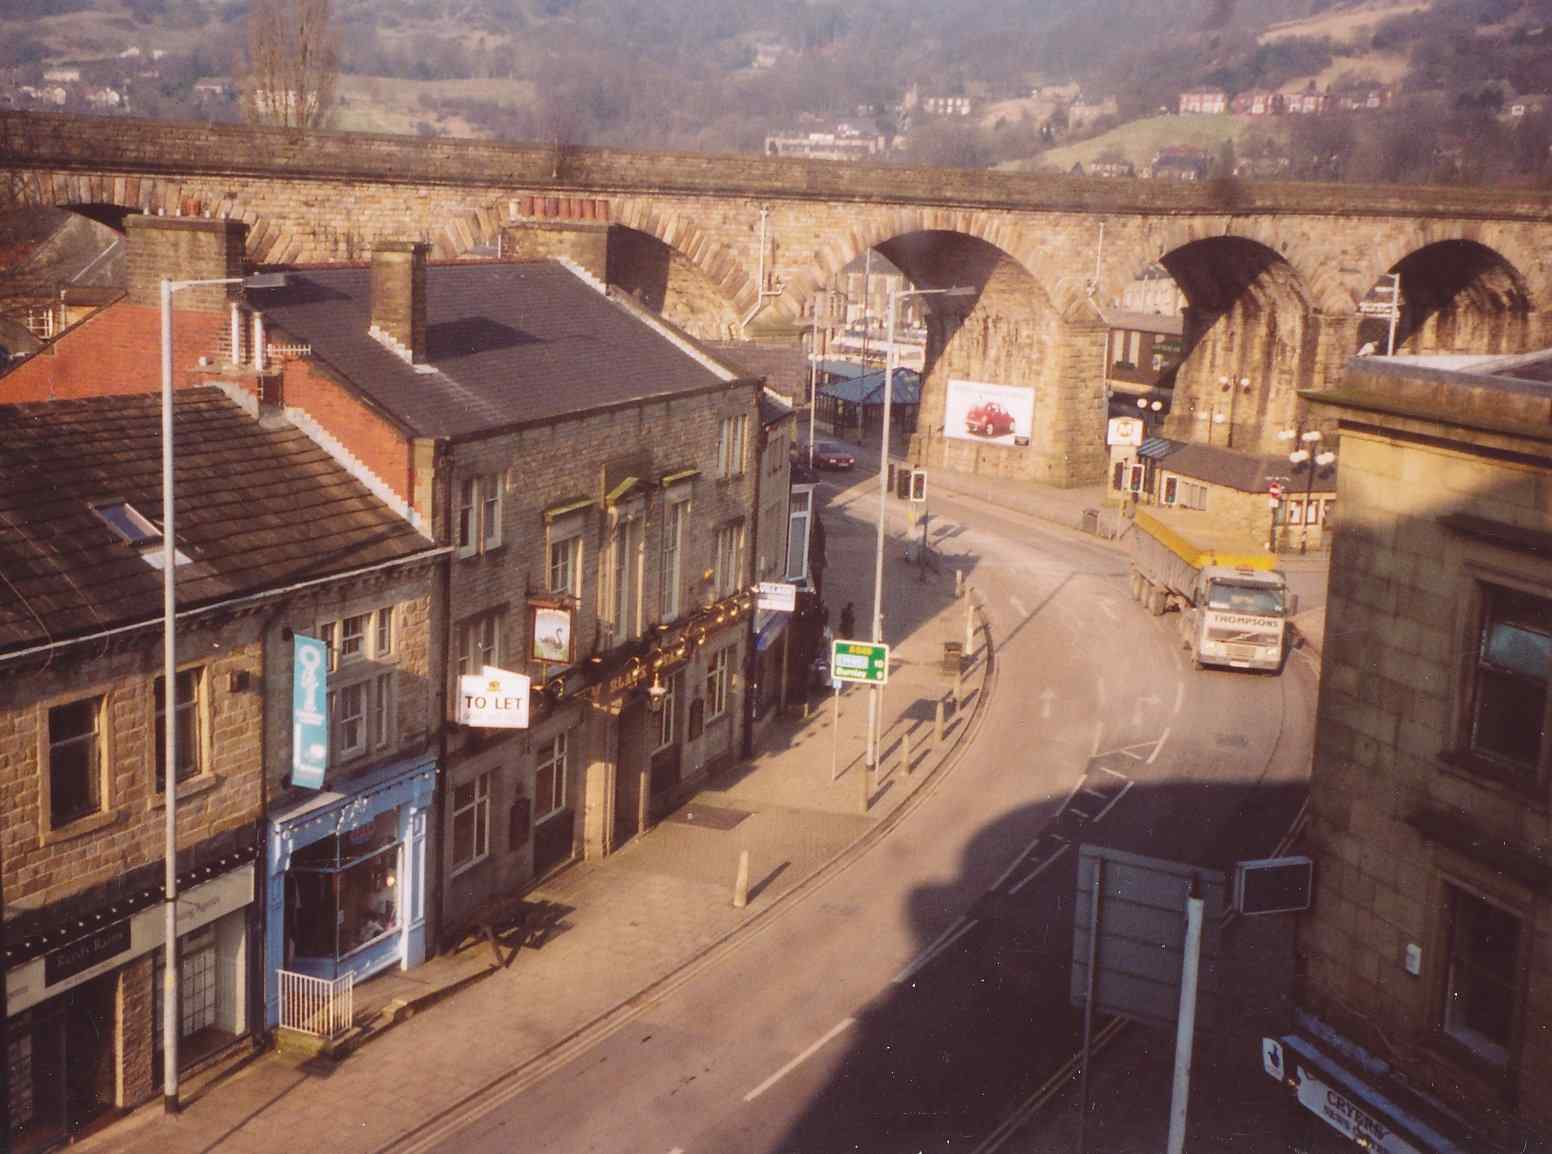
[[919, 996]]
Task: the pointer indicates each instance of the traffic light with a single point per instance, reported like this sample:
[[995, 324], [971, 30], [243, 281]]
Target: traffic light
[[918, 484]]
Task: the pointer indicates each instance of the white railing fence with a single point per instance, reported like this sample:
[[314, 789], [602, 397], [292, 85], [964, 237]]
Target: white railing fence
[[319, 1006]]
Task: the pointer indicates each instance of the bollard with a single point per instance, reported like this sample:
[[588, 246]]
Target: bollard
[[969, 623], [905, 752], [805, 707], [959, 583], [938, 722], [741, 886]]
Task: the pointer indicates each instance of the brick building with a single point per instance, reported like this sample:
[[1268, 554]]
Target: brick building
[[271, 534], [1426, 960]]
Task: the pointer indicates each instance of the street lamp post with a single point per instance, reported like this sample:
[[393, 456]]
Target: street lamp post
[[895, 296], [1311, 459], [170, 1015]]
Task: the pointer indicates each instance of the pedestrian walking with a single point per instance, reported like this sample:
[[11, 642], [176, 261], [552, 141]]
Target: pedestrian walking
[[848, 621]]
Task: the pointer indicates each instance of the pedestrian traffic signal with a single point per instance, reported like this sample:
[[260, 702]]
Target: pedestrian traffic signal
[[918, 484]]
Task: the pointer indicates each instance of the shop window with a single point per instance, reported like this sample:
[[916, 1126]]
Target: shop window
[[1508, 691], [75, 760], [717, 684], [343, 890], [190, 750], [1481, 984], [550, 779], [471, 822]]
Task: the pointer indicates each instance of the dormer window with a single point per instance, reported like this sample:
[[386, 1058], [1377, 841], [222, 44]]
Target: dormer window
[[128, 522]]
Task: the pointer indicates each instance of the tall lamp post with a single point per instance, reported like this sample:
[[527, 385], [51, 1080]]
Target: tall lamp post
[[1309, 456], [170, 1013], [895, 296]]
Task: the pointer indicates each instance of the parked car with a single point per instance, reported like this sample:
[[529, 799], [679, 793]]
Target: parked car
[[989, 420], [829, 456]]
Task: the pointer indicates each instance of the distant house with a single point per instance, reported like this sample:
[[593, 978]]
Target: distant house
[[1308, 103], [1144, 350], [1153, 291], [1257, 102], [1263, 167], [1529, 104], [1370, 99], [841, 143], [47, 94], [62, 75], [1204, 102], [1110, 169], [104, 98], [946, 105], [212, 89], [1082, 113], [766, 55], [1181, 164]]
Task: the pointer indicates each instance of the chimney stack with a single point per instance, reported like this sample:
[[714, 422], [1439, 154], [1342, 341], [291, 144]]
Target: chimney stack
[[399, 295], [583, 242], [184, 248]]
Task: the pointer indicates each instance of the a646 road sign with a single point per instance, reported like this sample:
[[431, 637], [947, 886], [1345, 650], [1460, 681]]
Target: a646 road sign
[[859, 661]]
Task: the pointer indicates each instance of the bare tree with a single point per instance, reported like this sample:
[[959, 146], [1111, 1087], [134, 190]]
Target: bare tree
[[293, 63]]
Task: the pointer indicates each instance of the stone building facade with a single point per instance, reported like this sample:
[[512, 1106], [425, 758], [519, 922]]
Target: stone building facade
[[1426, 961]]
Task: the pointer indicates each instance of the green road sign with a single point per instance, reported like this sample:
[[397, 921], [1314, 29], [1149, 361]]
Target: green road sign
[[859, 661]]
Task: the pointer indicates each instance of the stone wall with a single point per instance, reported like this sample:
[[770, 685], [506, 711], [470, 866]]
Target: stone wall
[[1401, 806]]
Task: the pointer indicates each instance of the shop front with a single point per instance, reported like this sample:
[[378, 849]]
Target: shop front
[[85, 1016], [345, 889]]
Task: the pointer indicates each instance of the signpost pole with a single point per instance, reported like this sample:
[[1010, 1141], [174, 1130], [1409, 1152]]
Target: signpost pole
[[1088, 1005], [1395, 313], [1185, 1029], [835, 735], [786, 657]]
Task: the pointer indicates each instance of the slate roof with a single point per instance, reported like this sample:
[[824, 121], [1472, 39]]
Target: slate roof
[[258, 508], [1243, 471], [509, 343], [868, 389], [784, 367]]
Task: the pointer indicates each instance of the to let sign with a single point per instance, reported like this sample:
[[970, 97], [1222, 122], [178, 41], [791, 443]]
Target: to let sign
[[859, 661], [778, 596], [493, 699]]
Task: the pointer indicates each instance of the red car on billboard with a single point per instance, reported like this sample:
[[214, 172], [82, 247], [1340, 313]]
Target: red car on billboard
[[989, 420]]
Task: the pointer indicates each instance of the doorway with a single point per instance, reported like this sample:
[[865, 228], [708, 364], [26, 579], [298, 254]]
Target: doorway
[[627, 775]]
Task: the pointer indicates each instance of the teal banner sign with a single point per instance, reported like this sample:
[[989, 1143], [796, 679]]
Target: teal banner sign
[[309, 712]]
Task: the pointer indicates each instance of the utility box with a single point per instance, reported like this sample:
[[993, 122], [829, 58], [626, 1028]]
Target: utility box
[[902, 483], [1274, 885]]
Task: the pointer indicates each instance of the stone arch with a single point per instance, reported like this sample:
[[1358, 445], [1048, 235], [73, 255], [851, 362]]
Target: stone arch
[[672, 226], [877, 230], [1457, 295], [110, 198], [1319, 285], [1520, 255]]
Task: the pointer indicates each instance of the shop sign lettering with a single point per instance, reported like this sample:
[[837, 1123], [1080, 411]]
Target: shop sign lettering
[[1342, 1115], [84, 953]]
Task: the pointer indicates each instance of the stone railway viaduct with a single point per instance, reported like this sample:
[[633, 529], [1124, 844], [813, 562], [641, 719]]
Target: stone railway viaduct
[[721, 245]]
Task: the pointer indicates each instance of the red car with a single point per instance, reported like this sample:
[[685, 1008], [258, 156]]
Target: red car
[[989, 420], [828, 456]]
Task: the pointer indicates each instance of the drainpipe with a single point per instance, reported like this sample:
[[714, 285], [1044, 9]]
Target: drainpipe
[[761, 293], [439, 795], [258, 341]]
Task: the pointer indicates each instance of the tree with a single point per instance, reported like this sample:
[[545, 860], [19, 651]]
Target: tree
[[293, 63]]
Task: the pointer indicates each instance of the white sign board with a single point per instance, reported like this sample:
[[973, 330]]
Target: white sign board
[[989, 414], [1124, 431], [493, 699], [778, 596], [1346, 1117]]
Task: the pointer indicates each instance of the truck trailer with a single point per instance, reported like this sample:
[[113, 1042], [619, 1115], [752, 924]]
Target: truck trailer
[[1233, 601]]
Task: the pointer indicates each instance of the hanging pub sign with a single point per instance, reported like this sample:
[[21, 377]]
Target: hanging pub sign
[[309, 715], [493, 699], [550, 628]]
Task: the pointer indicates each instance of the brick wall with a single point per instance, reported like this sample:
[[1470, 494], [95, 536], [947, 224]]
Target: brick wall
[[136, 1032], [116, 350], [371, 437]]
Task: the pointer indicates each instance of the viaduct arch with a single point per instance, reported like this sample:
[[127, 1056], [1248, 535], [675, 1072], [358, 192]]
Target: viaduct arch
[[1273, 279]]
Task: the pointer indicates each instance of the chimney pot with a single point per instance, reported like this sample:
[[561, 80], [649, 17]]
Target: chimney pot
[[399, 294]]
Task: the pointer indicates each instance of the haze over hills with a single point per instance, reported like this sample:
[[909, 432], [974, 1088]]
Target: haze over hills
[[722, 74]]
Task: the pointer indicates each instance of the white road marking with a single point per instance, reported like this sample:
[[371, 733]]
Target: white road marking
[[1113, 773], [1018, 607], [1179, 664], [1099, 733], [1152, 757], [1180, 698], [946, 939], [1018, 861], [1047, 696], [1104, 608], [677, 1150], [839, 1028], [1125, 789], [1041, 868]]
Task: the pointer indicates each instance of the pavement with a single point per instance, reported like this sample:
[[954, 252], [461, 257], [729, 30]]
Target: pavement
[[625, 928]]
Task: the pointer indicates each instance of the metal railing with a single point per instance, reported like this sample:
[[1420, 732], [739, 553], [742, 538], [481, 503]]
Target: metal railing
[[321, 1007]]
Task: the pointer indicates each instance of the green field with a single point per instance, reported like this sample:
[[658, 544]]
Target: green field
[[1139, 140]]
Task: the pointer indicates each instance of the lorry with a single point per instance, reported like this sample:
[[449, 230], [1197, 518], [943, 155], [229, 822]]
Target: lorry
[[1234, 603]]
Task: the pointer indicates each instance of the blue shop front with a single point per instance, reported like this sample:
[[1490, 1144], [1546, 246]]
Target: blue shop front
[[346, 880]]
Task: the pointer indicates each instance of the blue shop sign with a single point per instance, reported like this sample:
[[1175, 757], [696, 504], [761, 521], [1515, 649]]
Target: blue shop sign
[[309, 715]]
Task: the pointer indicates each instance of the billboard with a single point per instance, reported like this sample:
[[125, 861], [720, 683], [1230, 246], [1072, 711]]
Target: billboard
[[989, 414]]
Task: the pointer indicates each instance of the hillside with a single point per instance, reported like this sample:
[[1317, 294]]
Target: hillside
[[1138, 140]]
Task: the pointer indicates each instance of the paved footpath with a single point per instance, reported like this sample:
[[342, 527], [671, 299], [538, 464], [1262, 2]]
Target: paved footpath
[[635, 923]]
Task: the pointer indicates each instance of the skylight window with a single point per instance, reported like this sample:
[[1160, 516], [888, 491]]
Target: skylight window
[[127, 521]]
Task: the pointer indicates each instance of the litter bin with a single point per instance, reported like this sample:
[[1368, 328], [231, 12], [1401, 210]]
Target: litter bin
[[953, 656], [1091, 521]]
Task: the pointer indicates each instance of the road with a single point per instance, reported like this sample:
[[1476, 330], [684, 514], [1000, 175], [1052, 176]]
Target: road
[[914, 1000]]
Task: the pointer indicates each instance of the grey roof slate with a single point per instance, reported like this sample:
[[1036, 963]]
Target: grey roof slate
[[508, 343], [258, 508], [1243, 471]]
